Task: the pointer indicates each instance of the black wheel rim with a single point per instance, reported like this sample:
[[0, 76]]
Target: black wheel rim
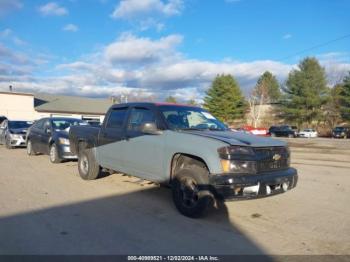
[[188, 192]]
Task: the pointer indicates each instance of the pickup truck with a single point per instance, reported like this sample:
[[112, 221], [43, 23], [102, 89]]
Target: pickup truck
[[186, 148]]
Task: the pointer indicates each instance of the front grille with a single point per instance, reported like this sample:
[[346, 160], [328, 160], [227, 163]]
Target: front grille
[[272, 158]]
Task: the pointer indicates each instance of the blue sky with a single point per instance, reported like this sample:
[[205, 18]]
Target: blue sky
[[164, 47]]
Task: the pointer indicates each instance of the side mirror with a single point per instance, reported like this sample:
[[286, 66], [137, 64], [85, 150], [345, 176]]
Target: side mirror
[[48, 131], [150, 128]]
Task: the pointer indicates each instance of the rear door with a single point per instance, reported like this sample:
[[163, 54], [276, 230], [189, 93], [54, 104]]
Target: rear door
[[143, 153], [111, 139]]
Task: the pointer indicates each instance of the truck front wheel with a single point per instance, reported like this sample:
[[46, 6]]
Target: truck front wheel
[[88, 167], [190, 192]]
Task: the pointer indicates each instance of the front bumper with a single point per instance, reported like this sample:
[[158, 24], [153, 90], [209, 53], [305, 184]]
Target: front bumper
[[65, 153], [338, 135], [18, 141], [235, 187]]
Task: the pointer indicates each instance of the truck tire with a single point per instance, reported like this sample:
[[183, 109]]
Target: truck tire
[[54, 156], [190, 191], [273, 135], [88, 167], [30, 151], [8, 143], [290, 135]]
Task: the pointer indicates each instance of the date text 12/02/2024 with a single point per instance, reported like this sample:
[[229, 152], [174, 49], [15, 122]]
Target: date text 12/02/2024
[[173, 258]]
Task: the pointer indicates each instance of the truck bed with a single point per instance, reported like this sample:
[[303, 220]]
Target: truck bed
[[87, 134]]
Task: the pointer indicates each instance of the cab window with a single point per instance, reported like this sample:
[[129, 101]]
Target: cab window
[[116, 118], [138, 116]]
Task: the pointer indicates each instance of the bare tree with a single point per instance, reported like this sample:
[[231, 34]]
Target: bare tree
[[257, 98]]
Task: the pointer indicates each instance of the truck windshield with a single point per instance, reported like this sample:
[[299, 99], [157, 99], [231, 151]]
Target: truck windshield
[[186, 117]]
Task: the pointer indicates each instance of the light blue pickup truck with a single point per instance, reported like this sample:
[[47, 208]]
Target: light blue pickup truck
[[187, 148]]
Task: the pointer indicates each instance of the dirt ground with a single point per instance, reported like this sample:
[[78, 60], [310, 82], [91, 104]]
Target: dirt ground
[[48, 209]]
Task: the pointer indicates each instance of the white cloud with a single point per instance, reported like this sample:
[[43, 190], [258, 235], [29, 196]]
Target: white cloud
[[140, 66], [287, 36], [7, 6], [135, 8], [53, 9], [10, 56], [9, 34], [70, 28], [336, 64], [132, 50]]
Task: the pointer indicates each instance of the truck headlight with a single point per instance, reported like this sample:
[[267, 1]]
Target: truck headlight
[[239, 167], [63, 141], [235, 152]]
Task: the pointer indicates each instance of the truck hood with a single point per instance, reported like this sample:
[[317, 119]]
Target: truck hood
[[238, 138]]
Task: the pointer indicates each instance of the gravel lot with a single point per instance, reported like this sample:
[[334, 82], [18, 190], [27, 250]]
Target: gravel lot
[[48, 209]]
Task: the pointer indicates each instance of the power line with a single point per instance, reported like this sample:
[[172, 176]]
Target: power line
[[315, 47]]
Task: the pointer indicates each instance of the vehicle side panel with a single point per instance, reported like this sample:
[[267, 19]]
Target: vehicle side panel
[[202, 147]]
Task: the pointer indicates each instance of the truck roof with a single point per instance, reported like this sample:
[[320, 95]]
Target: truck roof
[[150, 103]]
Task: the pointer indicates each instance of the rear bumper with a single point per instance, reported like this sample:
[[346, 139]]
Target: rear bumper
[[235, 187], [65, 153]]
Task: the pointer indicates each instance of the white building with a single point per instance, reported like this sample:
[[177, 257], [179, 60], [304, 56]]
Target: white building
[[25, 106]]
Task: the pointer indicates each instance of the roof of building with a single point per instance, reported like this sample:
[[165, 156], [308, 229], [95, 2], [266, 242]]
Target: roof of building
[[67, 104], [71, 104]]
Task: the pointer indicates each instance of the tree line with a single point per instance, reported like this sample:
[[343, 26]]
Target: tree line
[[304, 99]]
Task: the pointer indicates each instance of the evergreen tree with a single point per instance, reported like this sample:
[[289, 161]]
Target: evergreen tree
[[170, 99], [224, 99], [267, 88], [344, 99], [306, 93]]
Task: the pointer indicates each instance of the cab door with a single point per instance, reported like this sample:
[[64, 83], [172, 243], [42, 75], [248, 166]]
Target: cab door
[[111, 140], [143, 153]]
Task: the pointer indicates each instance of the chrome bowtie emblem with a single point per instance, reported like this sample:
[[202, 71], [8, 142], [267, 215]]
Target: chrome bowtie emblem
[[276, 157]]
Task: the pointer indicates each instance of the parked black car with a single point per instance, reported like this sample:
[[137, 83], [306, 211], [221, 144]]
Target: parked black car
[[285, 130], [50, 136], [341, 132], [13, 133]]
